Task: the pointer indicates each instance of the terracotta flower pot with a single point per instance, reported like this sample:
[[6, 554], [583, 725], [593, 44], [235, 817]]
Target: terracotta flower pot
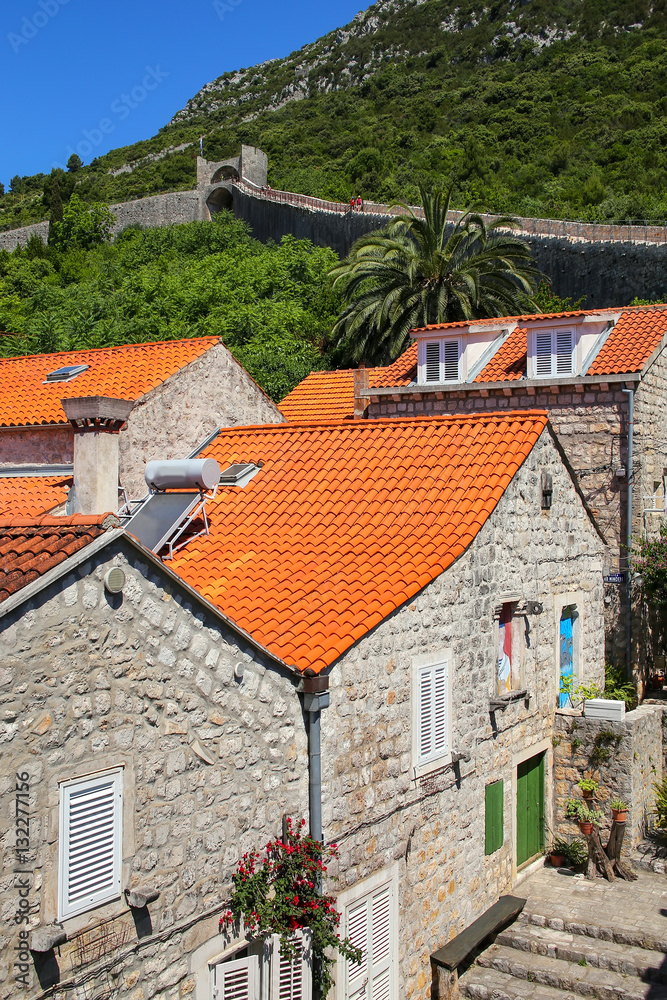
[[586, 828], [556, 859], [618, 815], [588, 794]]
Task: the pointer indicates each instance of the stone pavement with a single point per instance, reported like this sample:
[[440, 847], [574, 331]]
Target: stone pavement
[[577, 938]]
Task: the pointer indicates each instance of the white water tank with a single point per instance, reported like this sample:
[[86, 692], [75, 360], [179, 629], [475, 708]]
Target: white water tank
[[182, 474]]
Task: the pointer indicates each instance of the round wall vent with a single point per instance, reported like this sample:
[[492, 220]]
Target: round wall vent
[[114, 580], [239, 670]]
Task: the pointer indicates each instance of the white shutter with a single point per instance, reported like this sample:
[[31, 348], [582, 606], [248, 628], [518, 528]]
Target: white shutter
[[426, 712], [90, 842], [564, 352], [432, 366], [433, 712], [357, 932], [291, 977], [543, 354], [380, 971], [451, 360], [236, 979], [369, 927]]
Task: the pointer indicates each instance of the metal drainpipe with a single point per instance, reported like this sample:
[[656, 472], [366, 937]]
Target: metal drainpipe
[[628, 535], [315, 698]]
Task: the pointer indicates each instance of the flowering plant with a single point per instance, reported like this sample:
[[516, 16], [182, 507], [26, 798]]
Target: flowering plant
[[279, 893], [651, 563]]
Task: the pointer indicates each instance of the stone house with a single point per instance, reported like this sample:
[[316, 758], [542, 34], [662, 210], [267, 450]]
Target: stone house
[[176, 393], [369, 636], [602, 376]]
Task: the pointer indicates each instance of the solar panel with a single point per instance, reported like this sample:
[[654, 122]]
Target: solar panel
[[66, 373], [160, 516]]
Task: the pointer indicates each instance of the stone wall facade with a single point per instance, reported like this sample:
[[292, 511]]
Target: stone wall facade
[[170, 421], [591, 422], [624, 758], [144, 681], [432, 828]]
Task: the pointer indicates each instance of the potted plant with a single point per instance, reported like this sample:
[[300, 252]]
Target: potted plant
[[619, 810], [558, 852], [586, 818], [576, 854], [588, 787]]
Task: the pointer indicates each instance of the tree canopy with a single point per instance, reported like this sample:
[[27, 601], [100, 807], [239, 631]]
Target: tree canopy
[[424, 270], [272, 304]]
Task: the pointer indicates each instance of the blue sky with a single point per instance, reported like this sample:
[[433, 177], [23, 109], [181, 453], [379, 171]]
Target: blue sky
[[66, 66]]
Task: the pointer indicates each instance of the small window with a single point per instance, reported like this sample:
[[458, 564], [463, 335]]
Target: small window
[[553, 353], [433, 712], [291, 977], [90, 835], [66, 373], [440, 361], [494, 833], [547, 491]]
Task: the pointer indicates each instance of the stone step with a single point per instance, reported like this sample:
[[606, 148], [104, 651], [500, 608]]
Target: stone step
[[582, 980], [605, 925], [650, 966], [489, 984]]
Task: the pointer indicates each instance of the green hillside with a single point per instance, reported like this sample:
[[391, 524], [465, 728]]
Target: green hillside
[[553, 109]]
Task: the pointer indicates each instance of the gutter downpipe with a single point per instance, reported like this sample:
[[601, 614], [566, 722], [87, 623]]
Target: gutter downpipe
[[315, 698], [628, 539]]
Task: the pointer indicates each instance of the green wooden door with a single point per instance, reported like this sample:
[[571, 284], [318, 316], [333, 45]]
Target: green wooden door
[[529, 809]]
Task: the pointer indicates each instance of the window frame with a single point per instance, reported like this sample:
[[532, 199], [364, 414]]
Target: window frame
[[422, 354], [518, 676], [554, 333], [66, 910], [441, 758]]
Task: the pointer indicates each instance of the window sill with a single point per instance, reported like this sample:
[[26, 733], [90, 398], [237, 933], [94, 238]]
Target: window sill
[[432, 767], [500, 703]]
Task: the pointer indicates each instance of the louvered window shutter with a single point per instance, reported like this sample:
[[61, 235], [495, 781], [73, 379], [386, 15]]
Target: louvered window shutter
[[433, 712], [451, 360], [564, 352], [432, 366], [236, 979], [291, 976], [493, 814], [369, 927], [90, 842], [358, 933], [380, 970], [543, 354]]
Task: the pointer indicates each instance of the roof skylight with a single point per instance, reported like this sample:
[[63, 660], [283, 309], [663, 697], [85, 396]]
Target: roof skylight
[[67, 373]]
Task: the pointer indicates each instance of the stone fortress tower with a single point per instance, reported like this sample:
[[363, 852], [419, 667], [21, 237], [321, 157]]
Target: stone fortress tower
[[215, 180]]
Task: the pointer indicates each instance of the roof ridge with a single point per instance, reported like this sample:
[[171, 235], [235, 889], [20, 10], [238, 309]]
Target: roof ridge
[[66, 521]]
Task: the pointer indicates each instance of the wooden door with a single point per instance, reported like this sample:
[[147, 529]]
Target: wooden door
[[529, 809]]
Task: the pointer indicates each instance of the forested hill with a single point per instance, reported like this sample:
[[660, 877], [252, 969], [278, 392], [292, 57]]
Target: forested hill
[[552, 107]]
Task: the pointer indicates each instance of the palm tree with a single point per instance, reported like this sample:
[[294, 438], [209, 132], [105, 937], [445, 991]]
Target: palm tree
[[419, 271]]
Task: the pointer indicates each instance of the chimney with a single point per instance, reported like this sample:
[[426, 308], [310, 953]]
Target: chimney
[[361, 399], [97, 421]]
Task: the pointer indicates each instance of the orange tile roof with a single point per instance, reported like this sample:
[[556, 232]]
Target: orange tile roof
[[29, 547], [126, 372], [32, 495], [321, 396], [638, 332], [346, 521], [330, 395]]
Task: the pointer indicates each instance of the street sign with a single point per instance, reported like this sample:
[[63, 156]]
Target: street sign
[[614, 578]]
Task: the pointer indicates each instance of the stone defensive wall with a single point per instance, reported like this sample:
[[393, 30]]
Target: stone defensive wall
[[608, 264]]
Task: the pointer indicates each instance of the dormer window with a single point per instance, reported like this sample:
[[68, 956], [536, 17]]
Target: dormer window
[[439, 361], [553, 353]]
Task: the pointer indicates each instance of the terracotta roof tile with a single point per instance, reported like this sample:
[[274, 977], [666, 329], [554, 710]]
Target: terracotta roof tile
[[347, 520], [32, 495], [29, 547], [126, 372], [330, 395]]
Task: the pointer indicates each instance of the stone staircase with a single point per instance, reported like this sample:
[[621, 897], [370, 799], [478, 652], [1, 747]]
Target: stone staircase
[[578, 939]]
